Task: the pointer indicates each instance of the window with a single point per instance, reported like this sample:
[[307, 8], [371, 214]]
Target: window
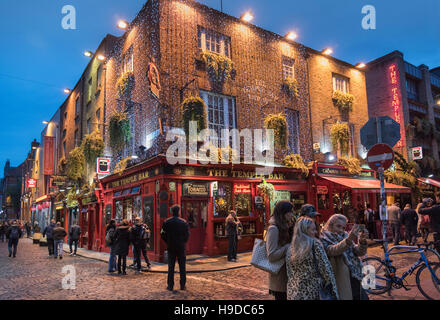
[[128, 60], [340, 83], [76, 138], [88, 105], [89, 90], [64, 133], [292, 117], [98, 116], [77, 106], [64, 148], [209, 40], [223, 200], [89, 125], [65, 115], [99, 78], [288, 68], [411, 88], [221, 111]]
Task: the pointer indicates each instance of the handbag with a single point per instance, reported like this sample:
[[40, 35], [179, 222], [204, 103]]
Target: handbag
[[260, 260], [326, 292]]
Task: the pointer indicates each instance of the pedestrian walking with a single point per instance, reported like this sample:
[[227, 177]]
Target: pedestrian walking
[[109, 241], [370, 222], [432, 209], [423, 224], [122, 244], [48, 232], [13, 234], [28, 229], [139, 236], [37, 228], [74, 234], [58, 238], [3, 230], [308, 269], [232, 224], [344, 255], [278, 239], [394, 218], [175, 232], [409, 219], [308, 210]]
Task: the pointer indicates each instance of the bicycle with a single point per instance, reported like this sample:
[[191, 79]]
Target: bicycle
[[385, 271]]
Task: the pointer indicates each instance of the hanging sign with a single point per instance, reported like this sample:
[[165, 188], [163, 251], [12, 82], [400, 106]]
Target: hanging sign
[[103, 166], [417, 153], [154, 79], [31, 183]]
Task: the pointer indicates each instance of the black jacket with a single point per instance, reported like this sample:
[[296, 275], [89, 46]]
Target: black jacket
[[75, 232], [175, 232], [48, 231], [8, 232], [136, 235], [434, 215], [59, 233], [122, 240], [409, 218]]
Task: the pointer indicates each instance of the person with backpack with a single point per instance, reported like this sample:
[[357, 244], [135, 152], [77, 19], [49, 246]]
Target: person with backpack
[[423, 224], [139, 236], [75, 232], [409, 219], [48, 232], [370, 222], [433, 211], [109, 242], [58, 238], [13, 235]]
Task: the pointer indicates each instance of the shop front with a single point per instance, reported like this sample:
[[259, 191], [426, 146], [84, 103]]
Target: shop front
[[88, 216], [205, 194], [429, 187], [41, 212]]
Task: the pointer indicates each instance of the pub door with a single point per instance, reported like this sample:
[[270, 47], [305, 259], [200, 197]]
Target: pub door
[[91, 230], [194, 212]]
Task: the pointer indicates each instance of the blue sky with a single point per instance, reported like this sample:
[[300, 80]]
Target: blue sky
[[36, 47]]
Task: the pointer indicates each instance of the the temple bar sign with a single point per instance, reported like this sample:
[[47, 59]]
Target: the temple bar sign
[[244, 174], [196, 189]]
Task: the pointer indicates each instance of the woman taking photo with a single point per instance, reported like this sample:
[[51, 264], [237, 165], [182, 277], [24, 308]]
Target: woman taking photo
[[344, 256], [278, 240], [308, 268]]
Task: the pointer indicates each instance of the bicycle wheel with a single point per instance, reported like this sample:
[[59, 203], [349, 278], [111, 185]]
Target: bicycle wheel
[[383, 282], [428, 286]]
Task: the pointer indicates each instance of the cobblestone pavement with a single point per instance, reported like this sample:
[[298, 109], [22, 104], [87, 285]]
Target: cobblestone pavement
[[33, 275]]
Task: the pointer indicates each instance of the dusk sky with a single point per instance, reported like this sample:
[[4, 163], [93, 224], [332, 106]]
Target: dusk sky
[[39, 58]]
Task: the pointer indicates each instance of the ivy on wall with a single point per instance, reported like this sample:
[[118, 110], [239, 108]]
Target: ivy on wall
[[291, 86], [120, 131], [125, 85], [266, 190], [353, 165], [75, 164], [340, 137], [121, 166], [219, 66], [344, 101], [194, 109], [278, 123], [93, 146]]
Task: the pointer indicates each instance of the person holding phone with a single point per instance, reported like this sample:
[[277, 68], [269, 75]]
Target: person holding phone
[[344, 255]]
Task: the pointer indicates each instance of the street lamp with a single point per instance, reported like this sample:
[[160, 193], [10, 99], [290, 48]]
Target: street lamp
[[291, 36], [327, 51], [45, 122], [67, 90], [247, 17], [123, 24], [88, 53], [361, 65], [101, 57], [430, 176]]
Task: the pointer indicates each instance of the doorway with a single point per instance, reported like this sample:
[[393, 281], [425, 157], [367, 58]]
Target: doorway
[[195, 213]]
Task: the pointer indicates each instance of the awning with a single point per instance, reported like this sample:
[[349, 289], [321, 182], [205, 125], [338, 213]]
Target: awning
[[432, 182], [368, 185]]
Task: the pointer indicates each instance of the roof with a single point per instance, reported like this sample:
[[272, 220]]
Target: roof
[[432, 182], [372, 185]]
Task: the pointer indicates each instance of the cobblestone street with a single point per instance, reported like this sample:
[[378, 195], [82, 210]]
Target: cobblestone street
[[33, 275]]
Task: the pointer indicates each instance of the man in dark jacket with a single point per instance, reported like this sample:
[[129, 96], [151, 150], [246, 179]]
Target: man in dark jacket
[[139, 236], [13, 235], [175, 232], [48, 232], [122, 244], [409, 219], [75, 232], [433, 210], [58, 238]]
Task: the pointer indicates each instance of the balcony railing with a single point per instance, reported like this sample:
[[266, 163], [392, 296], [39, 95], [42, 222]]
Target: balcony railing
[[413, 70], [419, 109], [435, 80]]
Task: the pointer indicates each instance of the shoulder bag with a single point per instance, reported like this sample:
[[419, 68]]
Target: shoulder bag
[[261, 261]]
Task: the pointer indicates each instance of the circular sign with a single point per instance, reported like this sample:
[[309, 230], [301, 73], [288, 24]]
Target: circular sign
[[380, 155]]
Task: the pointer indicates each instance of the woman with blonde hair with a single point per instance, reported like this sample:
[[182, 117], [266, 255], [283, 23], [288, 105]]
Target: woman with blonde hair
[[308, 268], [344, 256]]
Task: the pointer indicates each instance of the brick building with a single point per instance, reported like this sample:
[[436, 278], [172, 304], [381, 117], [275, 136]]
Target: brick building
[[409, 95], [11, 191], [29, 194]]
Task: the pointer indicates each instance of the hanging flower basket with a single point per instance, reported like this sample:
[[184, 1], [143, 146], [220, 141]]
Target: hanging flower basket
[[344, 101], [291, 87], [296, 161], [121, 166], [340, 137], [278, 123], [62, 166], [75, 164], [93, 146], [353, 165], [120, 131], [219, 66], [194, 109], [266, 190], [125, 85], [72, 198]]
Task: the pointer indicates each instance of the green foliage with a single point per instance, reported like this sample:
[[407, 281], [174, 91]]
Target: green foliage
[[220, 152], [194, 109], [405, 174], [296, 161], [125, 84], [340, 137], [266, 189], [219, 66], [75, 164], [72, 198], [422, 128], [291, 86], [93, 146], [120, 131], [344, 101], [278, 123], [353, 165], [121, 166], [62, 166]]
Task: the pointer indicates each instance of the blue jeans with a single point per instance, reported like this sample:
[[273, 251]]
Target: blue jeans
[[112, 259], [2, 237], [58, 247], [12, 243]]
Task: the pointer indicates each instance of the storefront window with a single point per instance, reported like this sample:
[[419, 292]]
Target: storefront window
[[323, 202], [119, 212], [279, 196], [128, 209], [242, 203], [337, 203], [192, 213], [137, 207], [298, 200], [223, 199]]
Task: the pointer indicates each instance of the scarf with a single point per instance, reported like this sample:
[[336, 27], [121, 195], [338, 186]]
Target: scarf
[[350, 259]]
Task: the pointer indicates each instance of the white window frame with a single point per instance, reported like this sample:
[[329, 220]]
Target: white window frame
[[341, 83], [128, 60], [224, 42], [288, 70]]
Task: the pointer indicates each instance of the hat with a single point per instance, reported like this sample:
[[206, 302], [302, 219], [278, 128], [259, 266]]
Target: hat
[[309, 211]]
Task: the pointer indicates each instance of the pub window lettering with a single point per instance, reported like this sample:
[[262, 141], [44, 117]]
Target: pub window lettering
[[209, 40], [340, 83]]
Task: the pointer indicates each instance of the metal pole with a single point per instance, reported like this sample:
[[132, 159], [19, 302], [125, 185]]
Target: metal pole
[[383, 207]]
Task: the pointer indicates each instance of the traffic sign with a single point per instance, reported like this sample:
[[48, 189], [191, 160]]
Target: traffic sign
[[380, 155], [380, 130]]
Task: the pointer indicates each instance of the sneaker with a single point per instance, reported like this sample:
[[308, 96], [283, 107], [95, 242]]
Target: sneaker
[[74, 254], [71, 254]]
